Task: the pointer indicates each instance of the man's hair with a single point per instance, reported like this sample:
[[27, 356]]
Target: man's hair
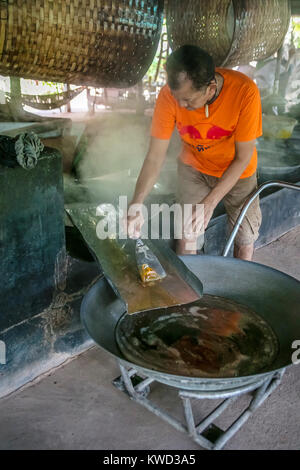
[[197, 64]]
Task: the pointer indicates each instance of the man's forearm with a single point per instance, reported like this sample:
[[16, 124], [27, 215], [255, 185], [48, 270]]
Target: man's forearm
[[227, 181], [146, 180], [244, 152], [150, 169]]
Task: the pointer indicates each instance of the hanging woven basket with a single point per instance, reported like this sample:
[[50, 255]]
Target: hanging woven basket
[[207, 24], [85, 42], [260, 29], [234, 32]]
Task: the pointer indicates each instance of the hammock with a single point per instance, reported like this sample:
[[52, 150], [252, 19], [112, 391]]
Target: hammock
[[51, 101]]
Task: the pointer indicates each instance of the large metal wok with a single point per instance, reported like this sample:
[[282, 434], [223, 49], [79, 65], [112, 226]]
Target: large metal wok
[[270, 293]]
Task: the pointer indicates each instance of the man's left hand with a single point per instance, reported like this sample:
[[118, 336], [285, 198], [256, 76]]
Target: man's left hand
[[209, 208], [200, 218]]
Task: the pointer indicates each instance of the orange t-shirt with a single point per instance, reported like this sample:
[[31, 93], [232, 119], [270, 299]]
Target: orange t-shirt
[[209, 143]]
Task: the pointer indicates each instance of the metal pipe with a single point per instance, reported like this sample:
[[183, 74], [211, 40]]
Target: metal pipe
[[202, 441], [189, 416], [232, 430], [126, 376], [215, 414], [272, 386], [131, 372], [158, 412], [249, 201], [127, 381], [142, 385], [260, 396]]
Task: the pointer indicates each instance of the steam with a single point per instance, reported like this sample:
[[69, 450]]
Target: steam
[[119, 143]]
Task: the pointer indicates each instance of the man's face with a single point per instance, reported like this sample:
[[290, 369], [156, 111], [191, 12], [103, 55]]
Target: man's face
[[192, 99]]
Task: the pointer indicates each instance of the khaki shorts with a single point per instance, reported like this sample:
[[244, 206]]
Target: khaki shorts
[[193, 186]]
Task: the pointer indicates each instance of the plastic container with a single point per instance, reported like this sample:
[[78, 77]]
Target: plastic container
[[278, 127]]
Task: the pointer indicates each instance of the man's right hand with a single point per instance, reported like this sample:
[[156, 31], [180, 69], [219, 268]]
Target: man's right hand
[[135, 220]]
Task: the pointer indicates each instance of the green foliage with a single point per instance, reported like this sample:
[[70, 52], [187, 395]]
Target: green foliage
[[296, 32], [56, 87], [33, 87]]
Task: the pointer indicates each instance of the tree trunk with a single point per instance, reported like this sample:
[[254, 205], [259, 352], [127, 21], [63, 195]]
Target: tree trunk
[[16, 99]]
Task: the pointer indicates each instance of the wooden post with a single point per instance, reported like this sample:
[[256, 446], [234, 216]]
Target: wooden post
[[69, 102], [140, 108], [277, 72]]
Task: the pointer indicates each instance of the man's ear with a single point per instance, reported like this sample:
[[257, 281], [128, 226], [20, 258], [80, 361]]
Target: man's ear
[[213, 86], [165, 66]]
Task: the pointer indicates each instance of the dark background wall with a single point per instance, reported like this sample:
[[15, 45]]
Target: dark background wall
[[31, 237]]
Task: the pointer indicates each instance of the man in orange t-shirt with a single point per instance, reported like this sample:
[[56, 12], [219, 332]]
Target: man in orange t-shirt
[[217, 113]]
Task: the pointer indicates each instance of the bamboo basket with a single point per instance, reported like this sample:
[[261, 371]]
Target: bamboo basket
[[208, 25], [234, 32], [85, 42]]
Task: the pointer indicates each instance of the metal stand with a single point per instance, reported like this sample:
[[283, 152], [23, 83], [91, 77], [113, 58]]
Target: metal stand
[[206, 434]]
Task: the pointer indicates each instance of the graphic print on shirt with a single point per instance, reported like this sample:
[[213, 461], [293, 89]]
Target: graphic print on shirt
[[210, 132], [216, 132], [213, 132], [190, 130]]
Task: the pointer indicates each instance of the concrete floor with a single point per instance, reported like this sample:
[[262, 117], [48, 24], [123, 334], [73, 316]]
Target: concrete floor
[[76, 407]]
